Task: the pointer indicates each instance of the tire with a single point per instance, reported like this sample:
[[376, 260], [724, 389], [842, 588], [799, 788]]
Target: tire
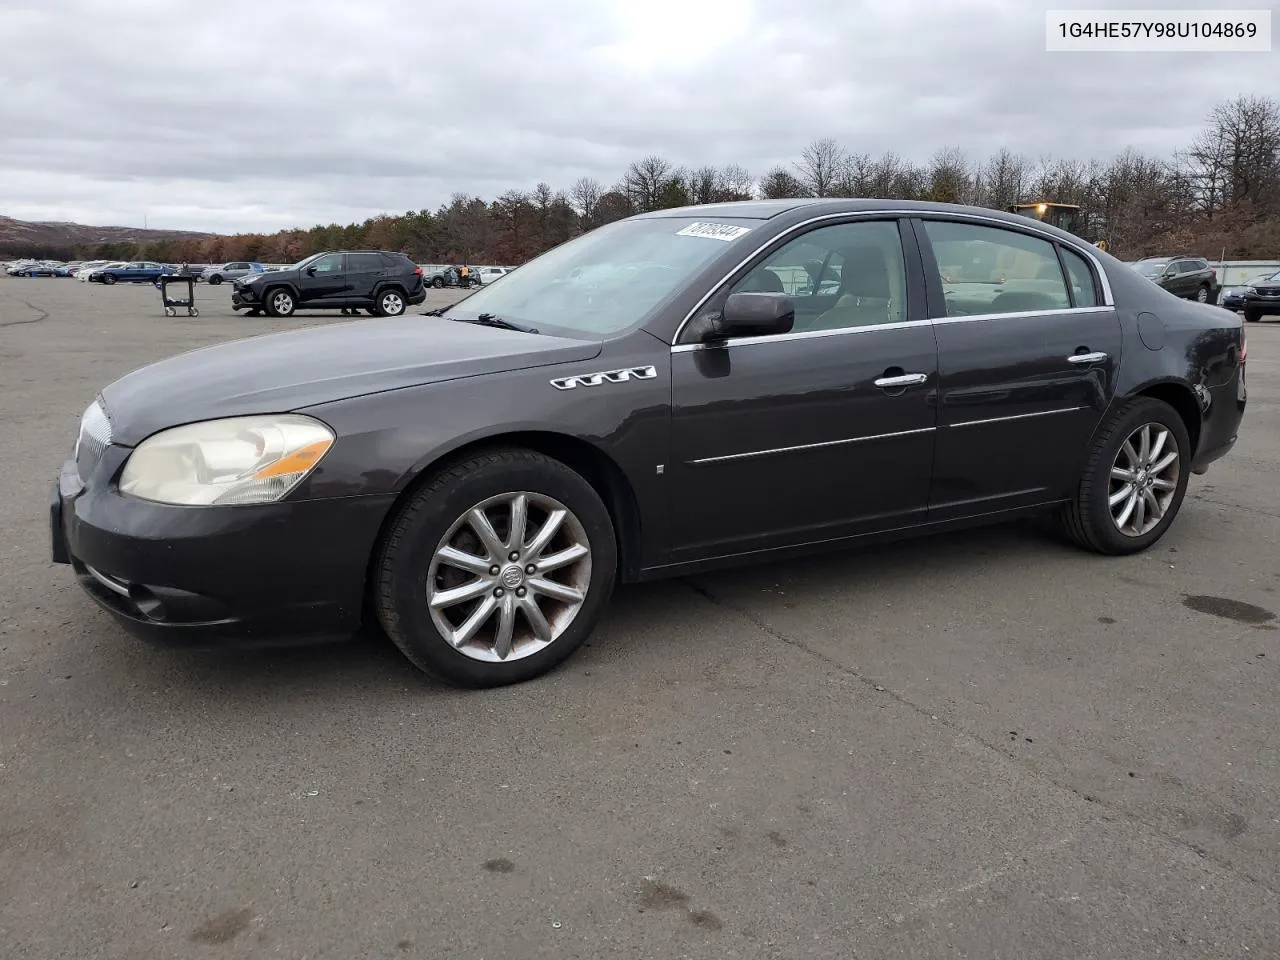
[[407, 569], [438, 283], [109, 279], [170, 312], [1088, 519], [1202, 293], [390, 303], [279, 301], [193, 312], [1251, 316], [215, 280]]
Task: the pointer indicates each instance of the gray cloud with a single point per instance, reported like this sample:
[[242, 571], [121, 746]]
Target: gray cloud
[[260, 115]]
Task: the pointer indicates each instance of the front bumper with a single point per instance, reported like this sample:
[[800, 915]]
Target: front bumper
[[244, 297], [1260, 304], [204, 577]]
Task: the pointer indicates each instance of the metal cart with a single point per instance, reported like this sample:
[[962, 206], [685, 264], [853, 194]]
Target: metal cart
[[172, 301]]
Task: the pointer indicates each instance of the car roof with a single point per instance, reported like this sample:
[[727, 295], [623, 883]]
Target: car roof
[[820, 206]]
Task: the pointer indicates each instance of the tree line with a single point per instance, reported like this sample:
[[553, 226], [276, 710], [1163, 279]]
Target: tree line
[[1219, 195]]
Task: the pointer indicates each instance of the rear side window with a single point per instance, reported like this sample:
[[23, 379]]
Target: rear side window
[[1083, 288], [992, 270], [365, 262], [393, 259]]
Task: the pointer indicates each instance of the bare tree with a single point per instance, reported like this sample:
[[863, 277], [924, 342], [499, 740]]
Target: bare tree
[[1002, 180], [779, 183], [950, 179], [646, 180], [1235, 160], [586, 194], [822, 165], [734, 183]]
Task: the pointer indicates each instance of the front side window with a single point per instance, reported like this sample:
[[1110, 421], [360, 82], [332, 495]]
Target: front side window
[[987, 270], [610, 279], [845, 275], [330, 263]]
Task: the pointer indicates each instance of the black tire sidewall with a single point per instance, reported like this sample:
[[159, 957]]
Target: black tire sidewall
[[405, 568], [1145, 410]]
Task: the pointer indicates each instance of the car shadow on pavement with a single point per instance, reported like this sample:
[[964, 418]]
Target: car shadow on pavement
[[643, 622]]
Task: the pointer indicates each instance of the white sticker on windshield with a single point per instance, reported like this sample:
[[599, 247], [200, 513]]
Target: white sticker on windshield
[[713, 231]]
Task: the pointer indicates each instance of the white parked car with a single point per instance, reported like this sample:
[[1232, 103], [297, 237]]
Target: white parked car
[[87, 268], [489, 274]]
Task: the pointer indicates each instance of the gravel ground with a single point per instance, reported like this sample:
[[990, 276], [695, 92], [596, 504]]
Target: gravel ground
[[987, 745]]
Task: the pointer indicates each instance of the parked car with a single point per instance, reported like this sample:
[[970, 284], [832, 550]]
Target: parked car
[[67, 269], [87, 268], [1257, 298], [643, 402], [36, 270], [232, 271], [1189, 277], [387, 283], [490, 274], [136, 271], [451, 277]]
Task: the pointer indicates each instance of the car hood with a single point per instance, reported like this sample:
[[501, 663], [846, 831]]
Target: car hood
[[300, 368]]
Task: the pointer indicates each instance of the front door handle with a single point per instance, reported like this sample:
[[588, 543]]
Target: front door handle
[[1086, 358], [905, 380]]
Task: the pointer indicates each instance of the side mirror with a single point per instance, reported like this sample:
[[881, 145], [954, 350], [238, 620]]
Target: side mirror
[[752, 315], [311, 271], [1169, 272]]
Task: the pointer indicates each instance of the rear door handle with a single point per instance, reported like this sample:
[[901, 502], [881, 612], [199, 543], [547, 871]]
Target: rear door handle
[[1086, 358], [906, 380]]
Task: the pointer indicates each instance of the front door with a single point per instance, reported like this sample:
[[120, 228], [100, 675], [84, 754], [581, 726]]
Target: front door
[[1027, 357], [322, 279], [820, 433]]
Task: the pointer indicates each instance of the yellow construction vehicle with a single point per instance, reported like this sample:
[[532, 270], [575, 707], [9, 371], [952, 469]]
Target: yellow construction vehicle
[[1064, 216]]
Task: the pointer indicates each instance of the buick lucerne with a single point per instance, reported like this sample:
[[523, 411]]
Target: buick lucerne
[[678, 391]]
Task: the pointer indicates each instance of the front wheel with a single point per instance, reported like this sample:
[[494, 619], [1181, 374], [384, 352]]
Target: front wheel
[[438, 283], [280, 302], [497, 569], [1134, 481], [390, 303], [1252, 316], [215, 280]]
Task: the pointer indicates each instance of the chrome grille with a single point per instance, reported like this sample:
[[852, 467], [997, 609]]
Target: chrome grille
[[93, 440]]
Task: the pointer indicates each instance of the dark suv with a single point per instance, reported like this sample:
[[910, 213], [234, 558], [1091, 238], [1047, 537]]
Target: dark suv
[[1188, 277], [381, 282]]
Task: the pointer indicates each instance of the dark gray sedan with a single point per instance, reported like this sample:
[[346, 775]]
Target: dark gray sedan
[[674, 392]]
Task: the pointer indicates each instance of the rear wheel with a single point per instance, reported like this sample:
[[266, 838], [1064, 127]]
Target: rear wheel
[[496, 570], [280, 302], [1202, 293], [390, 303], [1134, 481]]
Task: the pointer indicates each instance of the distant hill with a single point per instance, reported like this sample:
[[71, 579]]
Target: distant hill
[[53, 239]]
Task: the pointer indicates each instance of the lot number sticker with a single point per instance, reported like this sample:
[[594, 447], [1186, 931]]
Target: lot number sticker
[[713, 231]]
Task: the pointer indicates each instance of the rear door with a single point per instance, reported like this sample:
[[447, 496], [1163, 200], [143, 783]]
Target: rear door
[[1026, 370], [364, 270]]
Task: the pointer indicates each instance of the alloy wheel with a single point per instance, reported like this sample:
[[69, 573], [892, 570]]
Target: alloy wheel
[[1144, 479], [282, 303], [1203, 294], [392, 304], [509, 577]]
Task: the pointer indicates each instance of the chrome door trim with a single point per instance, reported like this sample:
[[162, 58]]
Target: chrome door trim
[[1087, 251], [1016, 416], [806, 446], [870, 328]]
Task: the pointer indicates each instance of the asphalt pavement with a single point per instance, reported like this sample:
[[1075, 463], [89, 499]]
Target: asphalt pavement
[[987, 745]]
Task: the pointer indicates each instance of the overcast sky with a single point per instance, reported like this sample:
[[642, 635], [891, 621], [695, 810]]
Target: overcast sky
[[266, 114]]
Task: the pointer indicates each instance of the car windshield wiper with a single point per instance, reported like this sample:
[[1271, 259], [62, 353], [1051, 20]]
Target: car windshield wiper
[[489, 320]]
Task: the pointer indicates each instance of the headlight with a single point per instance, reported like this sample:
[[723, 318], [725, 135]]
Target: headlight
[[234, 461]]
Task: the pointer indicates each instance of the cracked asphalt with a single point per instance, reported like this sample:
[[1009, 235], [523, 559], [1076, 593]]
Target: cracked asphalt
[[987, 745]]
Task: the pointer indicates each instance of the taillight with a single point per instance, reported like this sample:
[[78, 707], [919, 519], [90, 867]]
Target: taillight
[[1213, 274], [417, 271]]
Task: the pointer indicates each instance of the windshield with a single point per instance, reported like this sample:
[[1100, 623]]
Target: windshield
[[1269, 278], [1152, 268], [608, 280]]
